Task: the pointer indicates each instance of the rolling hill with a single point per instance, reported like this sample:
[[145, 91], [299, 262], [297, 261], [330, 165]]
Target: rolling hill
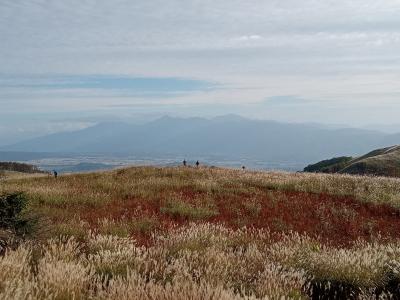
[[380, 162], [199, 233]]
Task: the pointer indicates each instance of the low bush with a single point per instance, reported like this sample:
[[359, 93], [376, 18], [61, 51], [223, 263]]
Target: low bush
[[13, 215]]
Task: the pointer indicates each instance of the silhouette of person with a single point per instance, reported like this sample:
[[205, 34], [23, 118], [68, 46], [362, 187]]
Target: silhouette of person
[[197, 163], [55, 174], [243, 167], [184, 162]]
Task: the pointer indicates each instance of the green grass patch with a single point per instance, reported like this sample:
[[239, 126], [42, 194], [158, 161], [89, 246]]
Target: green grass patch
[[180, 209]]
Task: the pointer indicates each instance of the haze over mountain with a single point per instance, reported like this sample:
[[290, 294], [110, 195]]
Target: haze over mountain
[[227, 136]]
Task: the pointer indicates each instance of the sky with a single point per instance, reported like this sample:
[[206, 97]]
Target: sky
[[66, 65]]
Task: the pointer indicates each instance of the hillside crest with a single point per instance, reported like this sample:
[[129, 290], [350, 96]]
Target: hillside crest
[[379, 162]]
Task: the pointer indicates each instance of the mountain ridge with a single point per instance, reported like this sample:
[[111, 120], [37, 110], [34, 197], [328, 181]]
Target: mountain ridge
[[227, 136]]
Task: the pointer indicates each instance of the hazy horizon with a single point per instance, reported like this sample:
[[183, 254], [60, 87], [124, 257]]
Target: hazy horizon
[[13, 138]]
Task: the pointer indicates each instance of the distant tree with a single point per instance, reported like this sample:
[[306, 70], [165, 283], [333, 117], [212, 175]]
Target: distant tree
[[19, 167]]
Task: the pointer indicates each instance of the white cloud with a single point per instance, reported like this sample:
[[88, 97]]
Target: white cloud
[[244, 38]]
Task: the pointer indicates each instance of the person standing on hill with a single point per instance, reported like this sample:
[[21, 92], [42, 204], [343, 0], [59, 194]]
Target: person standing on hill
[[197, 163], [184, 162], [55, 174]]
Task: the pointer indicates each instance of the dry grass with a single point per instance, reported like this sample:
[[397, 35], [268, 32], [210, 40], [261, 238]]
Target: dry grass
[[338, 207], [147, 182], [127, 234], [200, 261], [10, 175], [178, 208]]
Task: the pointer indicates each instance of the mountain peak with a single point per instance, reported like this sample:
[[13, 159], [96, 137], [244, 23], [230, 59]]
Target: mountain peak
[[230, 118]]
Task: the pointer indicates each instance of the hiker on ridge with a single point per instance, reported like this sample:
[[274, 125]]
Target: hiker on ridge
[[184, 162], [197, 163]]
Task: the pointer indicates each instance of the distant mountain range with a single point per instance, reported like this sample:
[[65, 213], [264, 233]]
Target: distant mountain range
[[228, 136], [380, 162]]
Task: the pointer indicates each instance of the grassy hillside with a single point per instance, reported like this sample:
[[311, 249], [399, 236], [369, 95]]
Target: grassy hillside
[[7, 175], [207, 233], [380, 162], [333, 165], [13, 170]]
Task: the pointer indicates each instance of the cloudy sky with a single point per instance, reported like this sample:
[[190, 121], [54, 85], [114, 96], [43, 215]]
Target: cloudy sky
[[69, 64]]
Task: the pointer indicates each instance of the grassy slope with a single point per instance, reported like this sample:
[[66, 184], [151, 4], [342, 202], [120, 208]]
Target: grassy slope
[[9, 175], [182, 259], [380, 162], [337, 207], [333, 165]]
